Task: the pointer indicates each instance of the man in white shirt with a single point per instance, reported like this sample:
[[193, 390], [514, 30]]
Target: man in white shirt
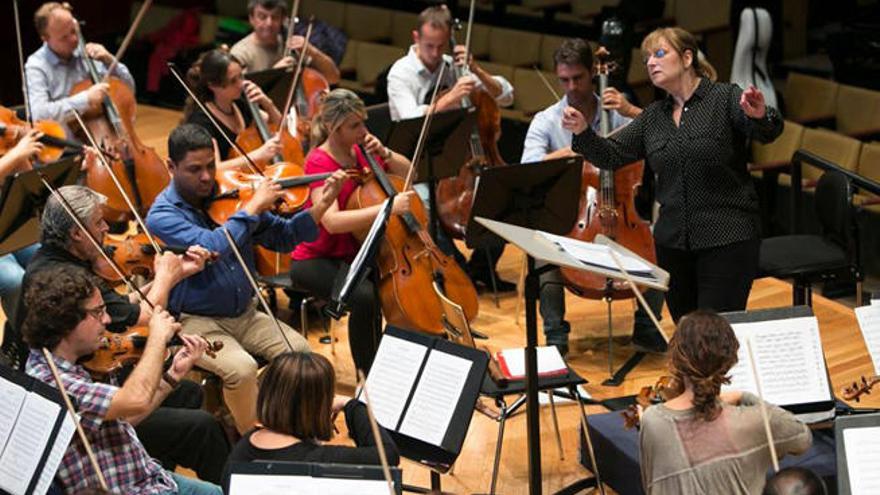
[[411, 81], [546, 140]]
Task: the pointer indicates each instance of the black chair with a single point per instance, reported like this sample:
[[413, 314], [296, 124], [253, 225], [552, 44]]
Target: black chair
[[831, 256]]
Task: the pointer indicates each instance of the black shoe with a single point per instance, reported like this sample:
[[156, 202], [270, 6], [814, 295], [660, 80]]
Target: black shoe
[[649, 340], [485, 279]]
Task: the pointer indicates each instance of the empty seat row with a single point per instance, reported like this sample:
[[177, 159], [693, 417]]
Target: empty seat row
[[855, 111]]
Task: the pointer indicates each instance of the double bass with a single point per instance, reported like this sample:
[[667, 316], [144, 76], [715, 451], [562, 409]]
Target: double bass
[[611, 211], [112, 123]]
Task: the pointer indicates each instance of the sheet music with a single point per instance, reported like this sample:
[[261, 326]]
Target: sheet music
[[267, 484], [27, 443], [549, 360], [862, 457], [391, 378], [436, 397], [788, 357], [11, 398], [869, 324], [62, 441], [598, 255]]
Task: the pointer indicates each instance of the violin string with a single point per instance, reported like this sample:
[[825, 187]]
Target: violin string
[[377, 436], [128, 37], [110, 261], [79, 429], [296, 75], [429, 116], [253, 282], [109, 169], [232, 143], [764, 416], [24, 83]]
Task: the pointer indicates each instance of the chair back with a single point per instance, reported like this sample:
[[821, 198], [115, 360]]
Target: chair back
[[834, 207]]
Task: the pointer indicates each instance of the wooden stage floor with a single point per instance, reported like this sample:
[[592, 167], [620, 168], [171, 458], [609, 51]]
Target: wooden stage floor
[[845, 352]]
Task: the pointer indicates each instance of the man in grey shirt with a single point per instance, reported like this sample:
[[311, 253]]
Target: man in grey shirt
[[546, 140]]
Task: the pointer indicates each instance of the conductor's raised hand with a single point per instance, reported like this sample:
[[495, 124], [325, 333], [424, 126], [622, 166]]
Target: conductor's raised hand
[[752, 103], [573, 120]]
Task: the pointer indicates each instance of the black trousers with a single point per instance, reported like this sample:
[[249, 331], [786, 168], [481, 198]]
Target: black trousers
[[717, 278], [364, 321], [179, 432]]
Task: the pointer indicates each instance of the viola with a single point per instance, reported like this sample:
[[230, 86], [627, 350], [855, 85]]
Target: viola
[[12, 129], [111, 123], [117, 350], [666, 388], [455, 195], [134, 253], [409, 261], [612, 212]]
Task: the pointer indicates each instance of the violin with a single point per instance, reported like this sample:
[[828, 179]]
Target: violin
[[859, 388], [117, 350], [12, 129], [134, 253], [612, 212], [409, 261], [112, 124], [666, 388], [455, 195]]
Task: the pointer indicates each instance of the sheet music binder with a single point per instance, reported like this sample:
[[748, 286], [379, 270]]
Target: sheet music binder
[[345, 472], [842, 424], [781, 314], [418, 449], [33, 386]]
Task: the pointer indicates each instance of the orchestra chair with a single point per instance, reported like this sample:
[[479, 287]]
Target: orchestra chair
[[830, 145], [458, 330], [809, 99], [858, 112], [830, 256], [869, 168]]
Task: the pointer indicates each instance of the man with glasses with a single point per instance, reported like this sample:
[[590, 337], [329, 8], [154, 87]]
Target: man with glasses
[[179, 432], [68, 317]]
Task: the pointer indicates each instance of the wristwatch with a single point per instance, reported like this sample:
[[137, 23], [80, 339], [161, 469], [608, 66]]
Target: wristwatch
[[170, 380]]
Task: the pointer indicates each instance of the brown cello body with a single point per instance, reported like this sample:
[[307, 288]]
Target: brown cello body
[[409, 262], [250, 139]]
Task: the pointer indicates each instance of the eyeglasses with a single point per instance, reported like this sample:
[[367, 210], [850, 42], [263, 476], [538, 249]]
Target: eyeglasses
[[97, 312], [658, 53]]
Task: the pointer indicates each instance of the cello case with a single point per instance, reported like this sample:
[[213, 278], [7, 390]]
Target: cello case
[[750, 54]]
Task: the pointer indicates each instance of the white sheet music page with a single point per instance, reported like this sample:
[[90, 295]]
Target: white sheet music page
[[436, 397], [11, 398], [268, 484], [789, 359], [391, 378], [27, 443], [862, 458], [62, 441], [597, 254], [869, 324]]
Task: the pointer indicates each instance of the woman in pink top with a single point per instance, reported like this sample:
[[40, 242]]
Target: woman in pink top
[[339, 127]]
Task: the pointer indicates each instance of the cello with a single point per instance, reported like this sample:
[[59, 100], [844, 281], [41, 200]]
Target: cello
[[309, 89], [112, 124], [607, 207], [455, 195]]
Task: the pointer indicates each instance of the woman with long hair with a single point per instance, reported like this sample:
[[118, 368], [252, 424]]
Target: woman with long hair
[[703, 440]]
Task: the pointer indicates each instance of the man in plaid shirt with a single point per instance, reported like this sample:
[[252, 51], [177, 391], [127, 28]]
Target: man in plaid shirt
[[67, 315]]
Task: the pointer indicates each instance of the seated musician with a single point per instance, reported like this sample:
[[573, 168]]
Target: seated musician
[[411, 81], [705, 441], [67, 316], [296, 408], [546, 140], [339, 127], [264, 48], [218, 303], [217, 81], [58, 65], [178, 432], [795, 480]]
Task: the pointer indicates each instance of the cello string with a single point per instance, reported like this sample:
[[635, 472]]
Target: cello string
[[127, 40]]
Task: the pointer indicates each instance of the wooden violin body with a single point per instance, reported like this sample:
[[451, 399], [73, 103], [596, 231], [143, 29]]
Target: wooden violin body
[[610, 211], [666, 388], [409, 262]]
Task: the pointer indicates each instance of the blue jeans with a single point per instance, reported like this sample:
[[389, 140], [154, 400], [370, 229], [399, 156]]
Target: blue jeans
[[192, 486], [11, 273]]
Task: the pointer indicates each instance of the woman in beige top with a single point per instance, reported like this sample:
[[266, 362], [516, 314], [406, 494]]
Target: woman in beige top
[[705, 441]]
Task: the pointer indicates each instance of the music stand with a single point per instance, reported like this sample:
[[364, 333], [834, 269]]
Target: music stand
[[274, 82], [22, 197], [307, 477], [379, 121], [541, 196]]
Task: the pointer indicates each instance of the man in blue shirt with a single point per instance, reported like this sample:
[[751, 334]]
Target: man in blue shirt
[[546, 140], [219, 303]]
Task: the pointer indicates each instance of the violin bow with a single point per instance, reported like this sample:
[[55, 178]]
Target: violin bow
[[296, 75], [109, 169], [232, 143], [547, 84], [128, 37], [377, 436], [764, 415], [110, 261], [79, 429], [429, 116], [253, 281], [24, 84], [637, 292]]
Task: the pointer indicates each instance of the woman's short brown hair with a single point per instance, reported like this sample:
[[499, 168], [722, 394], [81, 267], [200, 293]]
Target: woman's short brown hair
[[54, 301], [680, 41], [296, 396], [701, 352]]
